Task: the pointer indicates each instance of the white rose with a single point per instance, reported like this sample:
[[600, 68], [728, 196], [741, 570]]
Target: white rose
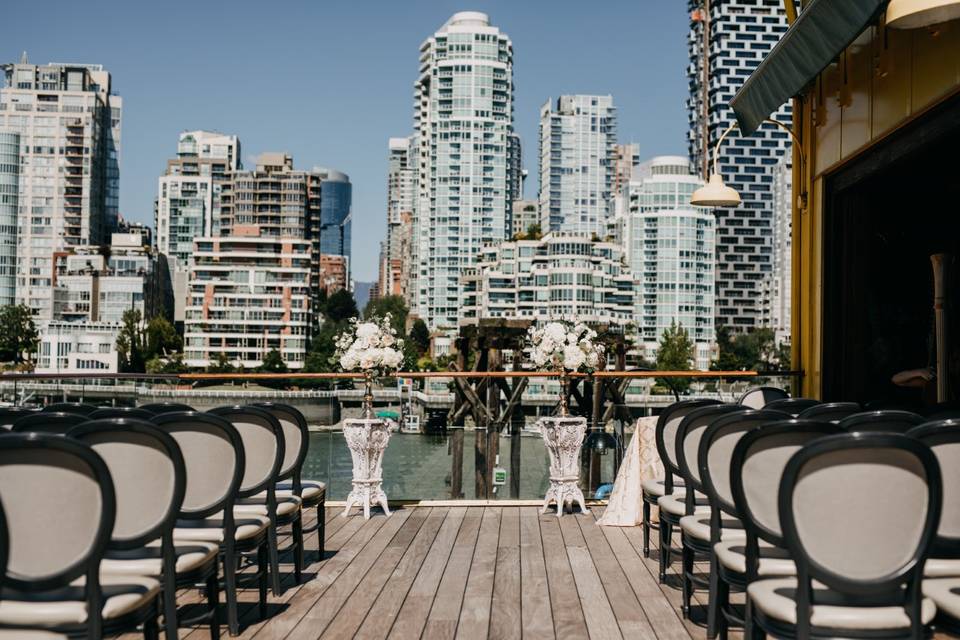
[[387, 340], [571, 338], [593, 359], [555, 332], [573, 357], [348, 361], [367, 330]]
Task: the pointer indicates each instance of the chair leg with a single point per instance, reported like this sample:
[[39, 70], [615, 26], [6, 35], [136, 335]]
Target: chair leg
[[274, 553], [686, 554], [666, 533], [723, 596], [213, 602], [230, 587], [262, 571], [322, 527], [150, 629], [169, 595], [714, 606], [646, 529], [751, 631], [298, 549]]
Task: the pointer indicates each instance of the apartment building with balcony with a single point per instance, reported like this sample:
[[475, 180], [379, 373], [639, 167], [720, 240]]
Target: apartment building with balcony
[[562, 275]]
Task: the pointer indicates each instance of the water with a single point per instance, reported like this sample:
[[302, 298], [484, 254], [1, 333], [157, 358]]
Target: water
[[417, 466]]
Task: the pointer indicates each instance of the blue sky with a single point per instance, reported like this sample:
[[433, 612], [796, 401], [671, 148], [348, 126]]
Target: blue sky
[[330, 82]]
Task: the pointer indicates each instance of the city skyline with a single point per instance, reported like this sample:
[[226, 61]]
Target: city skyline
[[375, 88]]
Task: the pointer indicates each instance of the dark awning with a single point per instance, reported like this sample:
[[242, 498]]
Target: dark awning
[[821, 32]]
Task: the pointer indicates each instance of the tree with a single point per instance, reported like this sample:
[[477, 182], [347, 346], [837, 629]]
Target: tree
[[755, 350], [130, 343], [162, 339], [420, 336], [19, 339], [273, 363], [221, 364], [534, 232], [676, 353], [172, 364], [395, 306], [341, 306]]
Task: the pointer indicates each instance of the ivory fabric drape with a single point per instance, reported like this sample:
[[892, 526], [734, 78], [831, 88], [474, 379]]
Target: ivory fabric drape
[[641, 462]]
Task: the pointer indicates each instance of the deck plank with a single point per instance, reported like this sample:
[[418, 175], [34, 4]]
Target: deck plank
[[443, 617], [534, 594], [478, 595], [505, 617], [568, 620]]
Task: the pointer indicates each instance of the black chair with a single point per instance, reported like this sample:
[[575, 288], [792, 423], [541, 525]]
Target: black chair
[[713, 460], [888, 421], [58, 422], [666, 436], [312, 493], [80, 408], [830, 411], [150, 481], [264, 445], [860, 553], [694, 512], [214, 456], [9, 415], [793, 406], [943, 411], [121, 412], [760, 397], [60, 505], [942, 570], [165, 407]]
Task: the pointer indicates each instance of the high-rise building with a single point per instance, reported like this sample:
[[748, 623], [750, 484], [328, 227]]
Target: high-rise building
[[777, 285], [741, 33], [336, 218], [9, 196], [400, 200], [514, 176], [671, 254], [626, 157], [247, 297], [526, 214], [463, 121], [562, 275], [578, 137], [69, 123]]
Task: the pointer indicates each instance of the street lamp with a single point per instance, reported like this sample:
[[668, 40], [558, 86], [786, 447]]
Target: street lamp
[[716, 193]]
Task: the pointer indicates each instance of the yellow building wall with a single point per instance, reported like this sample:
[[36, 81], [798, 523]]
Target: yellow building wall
[[885, 79]]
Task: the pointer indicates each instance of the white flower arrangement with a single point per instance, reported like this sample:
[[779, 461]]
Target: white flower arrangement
[[369, 346], [561, 345]]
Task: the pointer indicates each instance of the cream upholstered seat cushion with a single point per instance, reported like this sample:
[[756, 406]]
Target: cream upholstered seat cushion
[[310, 489], [698, 526], [942, 568], [945, 592], [122, 595], [674, 506], [656, 487], [286, 505], [774, 598], [731, 554], [190, 556], [211, 529]]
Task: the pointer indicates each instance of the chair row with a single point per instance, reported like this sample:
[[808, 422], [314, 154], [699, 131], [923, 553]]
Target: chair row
[[134, 509], [825, 515]]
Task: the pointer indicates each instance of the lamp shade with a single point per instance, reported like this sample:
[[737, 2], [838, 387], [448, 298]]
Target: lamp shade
[[600, 441], [715, 194], [914, 14]]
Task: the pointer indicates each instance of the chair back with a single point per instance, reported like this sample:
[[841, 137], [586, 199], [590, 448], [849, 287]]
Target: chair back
[[666, 435], [121, 412], [943, 438], [80, 408], [859, 511], [793, 406], [263, 444], [9, 415], [58, 422], [760, 397], [830, 411], [887, 421], [689, 433], [4, 546], [716, 450], [296, 438], [213, 457], [165, 407], [756, 468], [148, 474], [59, 502]]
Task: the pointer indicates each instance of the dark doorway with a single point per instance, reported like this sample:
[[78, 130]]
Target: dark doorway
[[886, 213]]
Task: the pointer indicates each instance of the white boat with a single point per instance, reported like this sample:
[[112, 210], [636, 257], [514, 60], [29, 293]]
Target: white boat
[[411, 424]]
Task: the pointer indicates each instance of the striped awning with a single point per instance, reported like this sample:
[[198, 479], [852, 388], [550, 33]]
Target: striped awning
[[821, 32]]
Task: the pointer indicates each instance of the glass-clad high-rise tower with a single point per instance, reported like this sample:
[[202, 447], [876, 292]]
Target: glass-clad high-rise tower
[[463, 119], [9, 196]]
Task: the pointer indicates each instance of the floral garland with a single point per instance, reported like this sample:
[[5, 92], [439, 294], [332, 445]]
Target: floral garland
[[370, 346]]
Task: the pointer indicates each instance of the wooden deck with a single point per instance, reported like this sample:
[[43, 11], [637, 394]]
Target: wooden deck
[[472, 572]]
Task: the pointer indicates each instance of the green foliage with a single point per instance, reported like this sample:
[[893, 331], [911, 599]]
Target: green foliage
[[273, 363], [341, 306], [171, 364], [420, 336], [395, 306], [162, 339], [130, 343], [751, 351], [19, 338], [221, 364], [676, 353]]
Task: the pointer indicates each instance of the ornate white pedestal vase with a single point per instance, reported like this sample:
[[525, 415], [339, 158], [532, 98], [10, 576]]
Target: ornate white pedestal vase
[[367, 439], [563, 437]]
